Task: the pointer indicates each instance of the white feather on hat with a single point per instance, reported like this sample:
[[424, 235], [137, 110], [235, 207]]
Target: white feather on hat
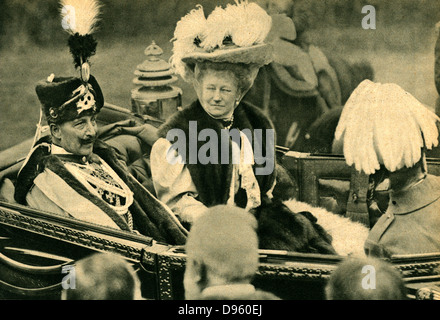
[[236, 32], [190, 29], [252, 23], [219, 25], [384, 124], [81, 16]]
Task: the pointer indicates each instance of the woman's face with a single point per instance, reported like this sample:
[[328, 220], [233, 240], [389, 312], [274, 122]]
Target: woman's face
[[218, 93]]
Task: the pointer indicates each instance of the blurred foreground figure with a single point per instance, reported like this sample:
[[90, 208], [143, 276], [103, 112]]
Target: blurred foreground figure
[[365, 279], [103, 276], [384, 132], [222, 257]]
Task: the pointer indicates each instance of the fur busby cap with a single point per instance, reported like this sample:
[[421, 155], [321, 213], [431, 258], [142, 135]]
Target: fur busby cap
[[235, 34], [224, 239], [64, 99], [382, 124]]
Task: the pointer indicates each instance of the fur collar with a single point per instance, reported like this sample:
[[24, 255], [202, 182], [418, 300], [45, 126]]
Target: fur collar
[[215, 190], [150, 217]]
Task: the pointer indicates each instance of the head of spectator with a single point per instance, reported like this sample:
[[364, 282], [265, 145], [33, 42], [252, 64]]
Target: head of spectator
[[365, 279], [103, 276], [222, 255]]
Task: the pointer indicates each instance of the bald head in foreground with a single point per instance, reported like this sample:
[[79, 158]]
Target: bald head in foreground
[[365, 279], [103, 276], [222, 256]]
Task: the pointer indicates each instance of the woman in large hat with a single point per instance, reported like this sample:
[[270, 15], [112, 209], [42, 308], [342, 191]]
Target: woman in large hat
[[221, 55], [385, 132]]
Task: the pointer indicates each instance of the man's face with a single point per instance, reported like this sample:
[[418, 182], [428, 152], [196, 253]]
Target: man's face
[[77, 136]]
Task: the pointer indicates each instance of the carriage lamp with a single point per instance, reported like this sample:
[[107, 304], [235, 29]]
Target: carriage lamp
[[154, 96]]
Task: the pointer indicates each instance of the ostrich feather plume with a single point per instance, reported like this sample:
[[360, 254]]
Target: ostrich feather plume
[[219, 26], [80, 16], [384, 124], [79, 19], [242, 24], [252, 23], [189, 33]]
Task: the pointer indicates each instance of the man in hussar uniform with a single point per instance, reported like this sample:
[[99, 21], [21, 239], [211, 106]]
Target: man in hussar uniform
[[385, 133], [73, 174]]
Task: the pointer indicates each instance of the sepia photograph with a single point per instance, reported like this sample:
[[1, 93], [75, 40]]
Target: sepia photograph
[[227, 150]]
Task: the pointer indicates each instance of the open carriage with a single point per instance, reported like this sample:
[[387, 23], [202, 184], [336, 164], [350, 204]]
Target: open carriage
[[36, 246]]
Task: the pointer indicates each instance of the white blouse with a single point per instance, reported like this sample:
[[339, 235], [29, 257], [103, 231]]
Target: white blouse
[[174, 186]]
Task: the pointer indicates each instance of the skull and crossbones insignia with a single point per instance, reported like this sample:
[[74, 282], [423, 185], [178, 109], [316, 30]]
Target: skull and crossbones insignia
[[86, 102]]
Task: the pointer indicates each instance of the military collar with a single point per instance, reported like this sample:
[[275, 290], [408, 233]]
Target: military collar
[[54, 149], [418, 196], [67, 156]]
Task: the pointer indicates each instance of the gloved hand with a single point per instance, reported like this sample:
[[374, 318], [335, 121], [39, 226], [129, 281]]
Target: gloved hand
[[146, 132]]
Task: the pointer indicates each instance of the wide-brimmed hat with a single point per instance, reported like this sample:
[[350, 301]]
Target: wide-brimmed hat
[[235, 34], [259, 55], [382, 124]]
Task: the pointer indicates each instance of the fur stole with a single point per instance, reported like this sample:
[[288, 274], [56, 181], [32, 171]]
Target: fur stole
[[280, 228], [348, 236], [150, 217], [215, 190]]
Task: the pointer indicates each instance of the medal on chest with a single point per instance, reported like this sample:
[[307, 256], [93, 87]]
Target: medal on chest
[[102, 181]]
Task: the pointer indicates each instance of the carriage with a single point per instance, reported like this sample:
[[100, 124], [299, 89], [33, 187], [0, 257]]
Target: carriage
[[36, 247]]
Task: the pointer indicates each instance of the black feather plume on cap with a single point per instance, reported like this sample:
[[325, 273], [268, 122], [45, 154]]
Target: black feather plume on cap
[[82, 47], [79, 19]]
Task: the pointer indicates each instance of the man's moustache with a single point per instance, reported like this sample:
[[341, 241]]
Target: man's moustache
[[88, 140]]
